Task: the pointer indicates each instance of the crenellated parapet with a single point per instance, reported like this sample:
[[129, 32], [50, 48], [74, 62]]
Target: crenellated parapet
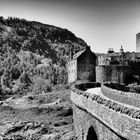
[[120, 118]]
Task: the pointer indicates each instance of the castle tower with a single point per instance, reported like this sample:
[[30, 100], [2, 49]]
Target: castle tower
[[121, 49], [122, 55], [138, 42], [110, 50]]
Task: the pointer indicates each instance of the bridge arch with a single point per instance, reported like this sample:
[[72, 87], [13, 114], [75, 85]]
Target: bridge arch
[[91, 135]]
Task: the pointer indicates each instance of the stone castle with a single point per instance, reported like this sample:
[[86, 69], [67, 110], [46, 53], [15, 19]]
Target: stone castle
[[104, 110], [122, 67]]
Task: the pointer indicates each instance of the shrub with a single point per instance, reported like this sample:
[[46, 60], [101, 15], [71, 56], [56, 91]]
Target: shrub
[[134, 88]]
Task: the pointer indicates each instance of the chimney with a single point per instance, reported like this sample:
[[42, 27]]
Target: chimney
[[71, 52], [87, 47]]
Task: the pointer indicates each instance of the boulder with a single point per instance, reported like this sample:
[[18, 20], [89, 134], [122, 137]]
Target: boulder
[[52, 136], [69, 136]]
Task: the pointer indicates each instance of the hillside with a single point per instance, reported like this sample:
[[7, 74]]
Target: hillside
[[33, 56]]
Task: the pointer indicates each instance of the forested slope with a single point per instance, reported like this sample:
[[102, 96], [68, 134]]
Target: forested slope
[[33, 56]]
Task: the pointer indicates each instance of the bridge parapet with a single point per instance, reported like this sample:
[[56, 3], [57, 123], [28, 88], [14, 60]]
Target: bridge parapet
[[124, 121], [129, 98]]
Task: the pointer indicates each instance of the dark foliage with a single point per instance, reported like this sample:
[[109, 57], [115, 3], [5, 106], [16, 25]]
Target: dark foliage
[[33, 55]]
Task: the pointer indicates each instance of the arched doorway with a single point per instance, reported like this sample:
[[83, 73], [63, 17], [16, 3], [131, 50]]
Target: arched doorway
[[91, 134]]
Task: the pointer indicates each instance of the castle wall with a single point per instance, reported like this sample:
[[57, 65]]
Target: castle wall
[[72, 71], [138, 42], [102, 60], [135, 66], [114, 73], [130, 55], [86, 66], [128, 98]]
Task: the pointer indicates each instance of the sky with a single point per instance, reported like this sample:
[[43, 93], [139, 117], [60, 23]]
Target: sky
[[102, 24]]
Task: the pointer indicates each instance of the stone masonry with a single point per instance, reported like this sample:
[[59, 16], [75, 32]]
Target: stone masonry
[[108, 119]]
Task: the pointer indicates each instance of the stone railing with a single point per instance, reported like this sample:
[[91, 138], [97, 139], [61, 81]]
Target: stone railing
[[128, 98], [85, 86], [109, 103], [123, 120]]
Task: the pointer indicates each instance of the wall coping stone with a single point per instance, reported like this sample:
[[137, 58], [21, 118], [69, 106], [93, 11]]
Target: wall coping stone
[[122, 109], [129, 94], [129, 98]]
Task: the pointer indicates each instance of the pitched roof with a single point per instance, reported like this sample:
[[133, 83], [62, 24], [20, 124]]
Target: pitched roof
[[114, 54], [78, 54]]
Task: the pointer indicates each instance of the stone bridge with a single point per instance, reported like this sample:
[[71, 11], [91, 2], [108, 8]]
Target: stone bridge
[[103, 113]]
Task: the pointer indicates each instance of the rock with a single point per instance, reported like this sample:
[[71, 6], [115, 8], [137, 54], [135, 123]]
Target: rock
[[69, 136], [61, 123], [1, 102], [54, 136], [14, 129], [57, 102], [5, 127], [67, 111], [20, 130], [1, 138]]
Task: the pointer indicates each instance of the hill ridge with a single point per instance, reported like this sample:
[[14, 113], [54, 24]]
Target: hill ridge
[[20, 73]]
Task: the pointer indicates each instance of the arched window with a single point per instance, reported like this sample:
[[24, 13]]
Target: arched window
[[91, 134]]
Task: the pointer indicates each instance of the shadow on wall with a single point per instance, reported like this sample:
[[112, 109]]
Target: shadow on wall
[[91, 134], [132, 79]]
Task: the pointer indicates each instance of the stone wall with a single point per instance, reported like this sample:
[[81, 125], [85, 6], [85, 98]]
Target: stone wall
[[138, 42], [72, 71], [128, 98], [110, 120], [87, 85], [114, 73], [83, 121], [135, 67], [86, 64]]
